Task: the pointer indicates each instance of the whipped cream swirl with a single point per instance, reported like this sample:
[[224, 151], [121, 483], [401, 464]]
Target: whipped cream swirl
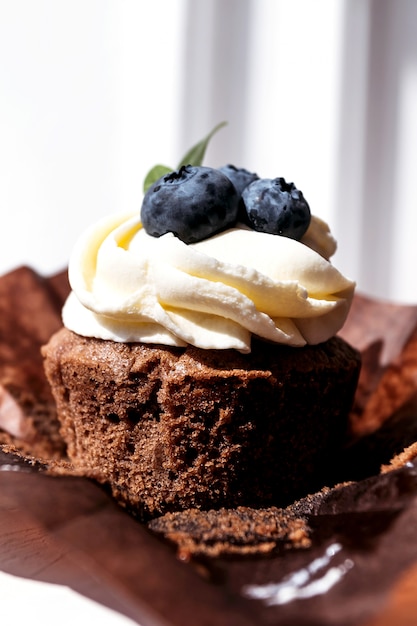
[[215, 294]]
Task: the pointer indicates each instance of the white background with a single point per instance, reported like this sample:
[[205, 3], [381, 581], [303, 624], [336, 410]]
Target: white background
[[322, 92]]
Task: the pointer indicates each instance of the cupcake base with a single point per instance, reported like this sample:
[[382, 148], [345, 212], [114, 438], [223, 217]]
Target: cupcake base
[[169, 429]]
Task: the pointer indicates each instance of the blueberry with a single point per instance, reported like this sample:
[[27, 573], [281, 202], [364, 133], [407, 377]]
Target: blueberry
[[193, 203], [240, 177], [277, 207]]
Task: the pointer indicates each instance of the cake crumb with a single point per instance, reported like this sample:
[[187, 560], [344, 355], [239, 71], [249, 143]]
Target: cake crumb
[[239, 531], [401, 459]]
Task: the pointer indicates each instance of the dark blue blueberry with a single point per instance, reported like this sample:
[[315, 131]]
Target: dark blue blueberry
[[240, 177], [193, 203], [276, 207]]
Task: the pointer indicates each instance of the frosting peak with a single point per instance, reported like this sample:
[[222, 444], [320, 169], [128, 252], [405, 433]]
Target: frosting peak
[[215, 294]]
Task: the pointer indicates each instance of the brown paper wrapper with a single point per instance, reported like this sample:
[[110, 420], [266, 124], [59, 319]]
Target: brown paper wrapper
[[358, 565]]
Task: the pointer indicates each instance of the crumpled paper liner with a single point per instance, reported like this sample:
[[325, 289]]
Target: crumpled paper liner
[[386, 335], [366, 525]]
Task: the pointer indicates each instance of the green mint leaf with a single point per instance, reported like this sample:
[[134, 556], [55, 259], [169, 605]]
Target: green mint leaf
[[195, 156], [155, 174]]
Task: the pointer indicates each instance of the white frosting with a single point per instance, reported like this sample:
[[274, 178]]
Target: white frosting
[[215, 294]]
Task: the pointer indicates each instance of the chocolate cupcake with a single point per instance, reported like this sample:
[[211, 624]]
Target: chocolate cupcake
[[203, 374]]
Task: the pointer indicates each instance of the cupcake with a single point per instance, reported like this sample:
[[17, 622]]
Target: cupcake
[[199, 364]]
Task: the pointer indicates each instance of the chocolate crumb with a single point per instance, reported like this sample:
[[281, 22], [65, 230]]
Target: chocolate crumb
[[239, 531]]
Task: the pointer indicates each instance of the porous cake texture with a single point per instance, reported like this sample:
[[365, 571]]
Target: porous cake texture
[[173, 428]]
